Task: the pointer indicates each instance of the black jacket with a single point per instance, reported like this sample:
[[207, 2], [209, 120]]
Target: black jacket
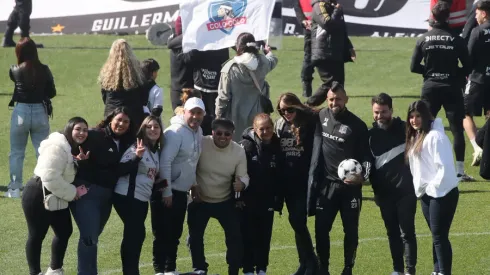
[[180, 73], [264, 168], [337, 137], [207, 67], [441, 52], [102, 166], [133, 100], [390, 174], [479, 51], [483, 140], [30, 90], [329, 39], [471, 23]]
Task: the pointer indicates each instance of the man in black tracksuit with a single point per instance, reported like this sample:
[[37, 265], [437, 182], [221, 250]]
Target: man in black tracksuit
[[207, 72], [20, 17], [477, 93], [470, 23], [259, 199], [330, 46], [180, 73], [392, 183], [339, 135], [307, 69], [443, 78]]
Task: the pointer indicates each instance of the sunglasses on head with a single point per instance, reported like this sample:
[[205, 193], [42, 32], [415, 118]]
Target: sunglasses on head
[[289, 110], [226, 134]]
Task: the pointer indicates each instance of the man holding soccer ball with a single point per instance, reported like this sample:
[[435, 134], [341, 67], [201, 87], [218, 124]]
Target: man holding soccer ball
[[340, 135]]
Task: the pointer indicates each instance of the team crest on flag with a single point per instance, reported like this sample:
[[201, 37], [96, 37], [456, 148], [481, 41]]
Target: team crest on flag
[[224, 15]]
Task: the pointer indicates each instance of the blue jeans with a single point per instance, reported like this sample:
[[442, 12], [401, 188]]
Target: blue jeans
[[26, 119], [91, 213], [439, 214]]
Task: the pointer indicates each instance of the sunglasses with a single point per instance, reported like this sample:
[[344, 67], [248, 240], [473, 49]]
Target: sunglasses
[[226, 134], [289, 110]]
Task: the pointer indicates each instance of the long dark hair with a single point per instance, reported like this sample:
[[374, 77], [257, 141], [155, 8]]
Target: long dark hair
[[303, 113], [107, 120], [415, 138], [241, 44], [67, 131], [27, 56], [141, 134]]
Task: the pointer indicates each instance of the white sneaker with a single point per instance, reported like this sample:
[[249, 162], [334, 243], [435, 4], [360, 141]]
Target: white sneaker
[[169, 273], [396, 273], [261, 272], [199, 272], [13, 193], [477, 157], [55, 272], [249, 273], [160, 274]]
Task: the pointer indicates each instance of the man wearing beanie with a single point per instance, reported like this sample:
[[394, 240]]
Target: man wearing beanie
[[221, 176]]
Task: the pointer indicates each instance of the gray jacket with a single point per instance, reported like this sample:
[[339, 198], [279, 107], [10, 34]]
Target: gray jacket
[[238, 96], [180, 154]]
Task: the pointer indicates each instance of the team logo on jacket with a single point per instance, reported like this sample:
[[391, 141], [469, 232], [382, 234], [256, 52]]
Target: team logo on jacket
[[224, 15]]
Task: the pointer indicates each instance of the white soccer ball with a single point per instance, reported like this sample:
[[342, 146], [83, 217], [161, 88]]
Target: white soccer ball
[[349, 167]]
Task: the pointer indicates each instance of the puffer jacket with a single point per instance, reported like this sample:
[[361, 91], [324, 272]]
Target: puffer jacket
[[329, 40], [55, 166]]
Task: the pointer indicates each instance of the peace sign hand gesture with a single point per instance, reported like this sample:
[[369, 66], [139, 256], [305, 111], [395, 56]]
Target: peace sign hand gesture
[[140, 148], [82, 155]]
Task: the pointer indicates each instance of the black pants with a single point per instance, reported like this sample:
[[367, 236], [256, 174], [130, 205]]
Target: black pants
[[296, 204], [167, 226], [439, 214], [257, 233], [329, 71], [175, 99], [347, 200], [19, 17], [133, 214], [399, 217], [38, 222], [451, 98], [209, 100], [228, 216], [308, 68]]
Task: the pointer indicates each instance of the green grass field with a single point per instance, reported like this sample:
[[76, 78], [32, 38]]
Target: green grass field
[[382, 66]]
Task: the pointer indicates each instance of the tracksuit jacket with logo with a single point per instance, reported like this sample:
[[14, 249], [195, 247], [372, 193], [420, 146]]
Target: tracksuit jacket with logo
[[479, 51], [337, 137], [441, 52], [390, 174]]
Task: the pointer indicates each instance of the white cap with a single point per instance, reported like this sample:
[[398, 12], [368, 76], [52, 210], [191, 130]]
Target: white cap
[[194, 102], [226, 7]]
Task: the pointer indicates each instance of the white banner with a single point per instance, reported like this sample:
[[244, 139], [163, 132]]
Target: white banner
[[215, 24]]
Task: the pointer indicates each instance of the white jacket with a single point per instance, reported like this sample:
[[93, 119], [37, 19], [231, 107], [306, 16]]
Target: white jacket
[[55, 166], [433, 168]]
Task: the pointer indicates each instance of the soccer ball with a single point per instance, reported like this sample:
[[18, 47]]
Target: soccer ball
[[349, 167]]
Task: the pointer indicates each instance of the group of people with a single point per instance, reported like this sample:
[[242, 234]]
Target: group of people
[[222, 156]]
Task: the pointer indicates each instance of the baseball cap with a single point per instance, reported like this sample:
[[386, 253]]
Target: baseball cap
[[194, 102]]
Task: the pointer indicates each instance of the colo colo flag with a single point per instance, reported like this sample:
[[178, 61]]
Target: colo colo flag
[[215, 24]]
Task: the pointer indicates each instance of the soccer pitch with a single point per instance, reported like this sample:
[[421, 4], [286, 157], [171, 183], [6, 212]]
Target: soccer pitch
[[382, 65]]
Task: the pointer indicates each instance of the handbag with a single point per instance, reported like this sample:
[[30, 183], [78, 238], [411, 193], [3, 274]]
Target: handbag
[[53, 203], [264, 100]]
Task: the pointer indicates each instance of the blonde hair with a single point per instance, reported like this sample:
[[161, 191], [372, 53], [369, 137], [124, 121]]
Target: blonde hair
[[122, 69]]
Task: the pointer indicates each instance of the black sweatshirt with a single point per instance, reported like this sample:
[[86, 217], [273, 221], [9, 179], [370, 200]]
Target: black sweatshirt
[[390, 174], [180, 73], [479, 51], [441, 52], [263, 167]]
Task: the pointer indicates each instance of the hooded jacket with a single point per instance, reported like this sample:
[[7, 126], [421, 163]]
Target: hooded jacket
[[207, 67], [390, 175], [264, 169], [238, 96], [433, 167], [180, 155], [55, 166], [329, 39]]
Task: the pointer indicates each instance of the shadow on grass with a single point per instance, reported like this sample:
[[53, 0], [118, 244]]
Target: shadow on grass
[[473, 191], [4, 189]]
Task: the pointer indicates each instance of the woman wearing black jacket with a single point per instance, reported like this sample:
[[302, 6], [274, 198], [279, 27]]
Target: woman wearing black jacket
[[99, 173], [296, 129], [263, 152]]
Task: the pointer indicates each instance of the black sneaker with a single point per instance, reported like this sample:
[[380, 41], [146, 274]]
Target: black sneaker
[[307, 89], [8, 43]]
